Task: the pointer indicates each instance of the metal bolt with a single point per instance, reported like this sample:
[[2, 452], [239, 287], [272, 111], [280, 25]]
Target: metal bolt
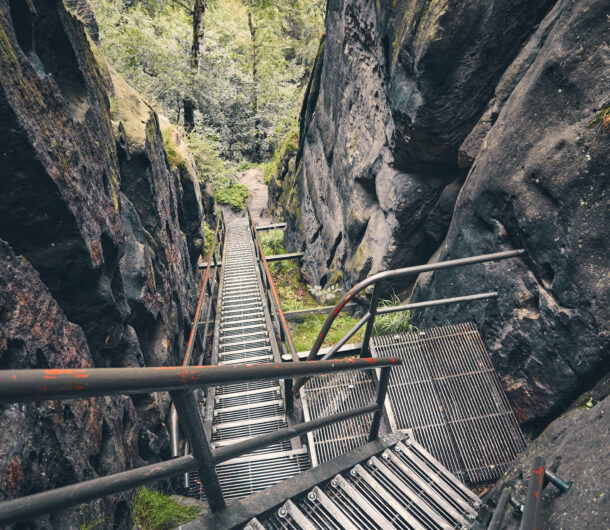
[[408, 443], [472, 516], [334, 484], [282, 512], [311, 496], [397, 449], [370, 463], [353, 472], [385, 456], [477, 504]]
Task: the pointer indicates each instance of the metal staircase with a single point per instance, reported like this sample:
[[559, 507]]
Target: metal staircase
[[391, 484], [242, 443], [239, 411]]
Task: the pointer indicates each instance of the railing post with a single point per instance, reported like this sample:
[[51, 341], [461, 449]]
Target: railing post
[[366, 351], [288, 395], [531, 512], [382, 390], [192, 425]]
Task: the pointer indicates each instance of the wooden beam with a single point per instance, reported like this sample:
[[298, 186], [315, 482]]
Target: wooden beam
[[280, 257], [321, 310], [270, 227]]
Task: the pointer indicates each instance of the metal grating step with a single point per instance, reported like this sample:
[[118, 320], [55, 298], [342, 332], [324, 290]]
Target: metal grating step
[[372, 495], [323, 396], [449, 394], [243, 410]]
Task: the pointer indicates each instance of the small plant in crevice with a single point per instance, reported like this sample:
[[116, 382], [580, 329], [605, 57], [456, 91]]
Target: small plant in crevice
[[393, 323], [152, 510], [327, 296]]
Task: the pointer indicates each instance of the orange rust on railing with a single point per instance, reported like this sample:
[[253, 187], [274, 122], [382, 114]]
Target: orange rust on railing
[[191, 341], [283, 321]]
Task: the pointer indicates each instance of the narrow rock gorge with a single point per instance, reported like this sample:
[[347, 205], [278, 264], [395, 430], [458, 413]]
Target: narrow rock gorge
[[437, 130], [99, 239]]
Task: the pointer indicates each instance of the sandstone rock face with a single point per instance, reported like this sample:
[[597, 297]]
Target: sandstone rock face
[[438, 130], [540, 182], [101, 237], [397, 89], [576, 445], [56, 443]]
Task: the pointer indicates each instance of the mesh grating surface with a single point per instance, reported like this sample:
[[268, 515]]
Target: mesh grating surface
[[326, 395], [243, 410], [448, 392], [379, 494]]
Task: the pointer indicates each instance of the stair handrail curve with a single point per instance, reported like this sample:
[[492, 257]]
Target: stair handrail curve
[[207, 286], [18, 386], [376, 280]]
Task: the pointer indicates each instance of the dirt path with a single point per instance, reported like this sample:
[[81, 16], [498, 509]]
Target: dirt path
[[257, 201]]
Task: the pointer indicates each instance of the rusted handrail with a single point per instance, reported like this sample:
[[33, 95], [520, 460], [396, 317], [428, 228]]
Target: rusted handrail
[[218, 235], [17, 386], [376, 279]]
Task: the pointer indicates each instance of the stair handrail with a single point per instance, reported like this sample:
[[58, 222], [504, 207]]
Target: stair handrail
[[207, 287], [376, 280], [18, 386], [273, 302]]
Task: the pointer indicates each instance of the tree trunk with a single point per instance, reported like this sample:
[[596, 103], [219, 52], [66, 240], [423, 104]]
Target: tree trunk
[[198, 28], [257, 123]]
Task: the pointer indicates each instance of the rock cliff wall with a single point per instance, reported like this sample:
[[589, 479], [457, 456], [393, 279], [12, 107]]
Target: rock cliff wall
[[99, 238], [435, 130]]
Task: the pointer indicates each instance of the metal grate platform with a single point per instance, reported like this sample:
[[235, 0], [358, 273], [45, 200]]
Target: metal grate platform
[[327, 395], [448, 392], [402, 487]]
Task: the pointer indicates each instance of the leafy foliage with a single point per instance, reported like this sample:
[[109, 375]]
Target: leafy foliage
[[273, 242], [148, 42], [227, 191], [155, 511]]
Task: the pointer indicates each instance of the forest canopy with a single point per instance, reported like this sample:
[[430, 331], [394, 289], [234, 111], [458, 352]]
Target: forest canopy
[[239, 93]]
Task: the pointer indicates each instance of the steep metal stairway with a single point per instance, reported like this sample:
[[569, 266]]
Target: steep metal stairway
[[239, 411], [391, 483]]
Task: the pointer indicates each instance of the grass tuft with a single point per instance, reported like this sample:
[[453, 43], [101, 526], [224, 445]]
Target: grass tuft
[[308, 330], [393, 323], [155, 511]]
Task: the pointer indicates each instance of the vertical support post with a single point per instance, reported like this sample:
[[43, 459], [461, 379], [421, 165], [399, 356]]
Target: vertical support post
[[498, 515], [366, 351], [382, 390], [288, 396], [192, 425], [173, 422], [531, 512]]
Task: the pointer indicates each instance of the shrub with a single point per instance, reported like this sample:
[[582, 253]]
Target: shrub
[[231, 193], [154, 511], [273, 242], [327, 296]]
